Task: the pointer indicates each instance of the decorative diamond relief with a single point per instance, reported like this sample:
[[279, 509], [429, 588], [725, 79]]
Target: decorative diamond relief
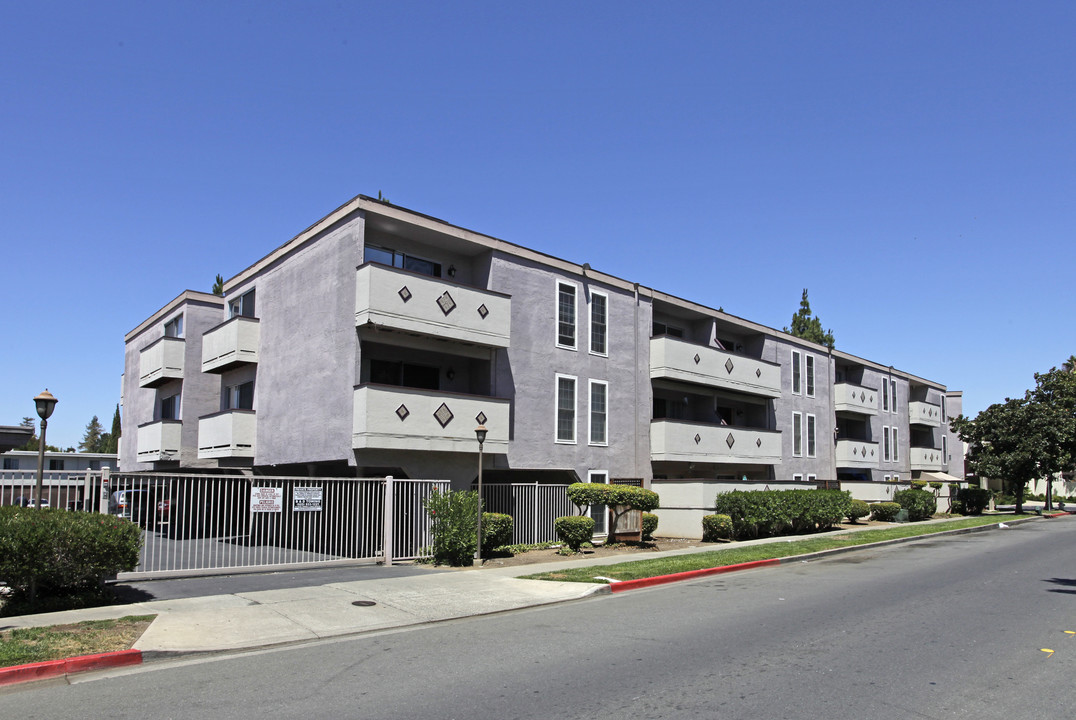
[[758, 372], [855, 451], [872, 452], [863, 451], [730, 441], [729, 365], [443, 415], [698, 438], [862, 396], [483, 311], [404, 293], [480, 418], [446, 303], [758, 442], [402, 412], [697, 359]]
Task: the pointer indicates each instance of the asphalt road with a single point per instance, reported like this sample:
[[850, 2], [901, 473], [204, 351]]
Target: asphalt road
[[951, 628]]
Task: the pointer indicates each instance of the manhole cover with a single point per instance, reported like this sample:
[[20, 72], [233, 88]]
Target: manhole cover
[[364, 603]]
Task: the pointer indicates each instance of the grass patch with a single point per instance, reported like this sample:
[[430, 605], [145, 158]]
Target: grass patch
[[787, 547], [55, 642]]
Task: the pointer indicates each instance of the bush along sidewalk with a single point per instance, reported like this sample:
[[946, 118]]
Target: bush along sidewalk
[[455, 532]]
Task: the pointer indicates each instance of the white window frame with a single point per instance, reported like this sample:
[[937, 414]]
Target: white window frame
[[797, 477], [810, 428], [797, 371], [177, 404], [885, 394], [600, 528], [590, 413], [945, 449], [896, 478], [797, 434], [809, 375], [556, 408], [885, 443], [575, 315], [885, 478], [590, 323], [895, 454], [811, 477], [893, 396]]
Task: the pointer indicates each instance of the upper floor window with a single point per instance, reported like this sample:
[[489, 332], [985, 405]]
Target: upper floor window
[[896, 453], [392, 258], [885, 394], [239, 397], [893, 395], [797, 371], [170, 407], [566, 315], [885, 443], [945, 417], [565, 409], [402, 374], [599, 412], [599, 323], [56, 464], [174, 327], [659, 328], [242, 306], [797, 434], [811, 446], [11, 463], [810, 375]]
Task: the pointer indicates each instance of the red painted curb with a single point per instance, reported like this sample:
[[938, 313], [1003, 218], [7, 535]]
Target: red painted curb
[[1055, 515], [688, 575], [58, 668]]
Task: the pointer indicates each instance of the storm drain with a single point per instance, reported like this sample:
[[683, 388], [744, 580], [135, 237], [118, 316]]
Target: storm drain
[[364, 603]]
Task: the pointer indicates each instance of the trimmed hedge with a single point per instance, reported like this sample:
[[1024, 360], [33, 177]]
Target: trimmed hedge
[[920, 504], [764, 513], [884, 511], [63, 551], [973, 500], [857, 509], [574, 530], [496, 530], [716, 527], [650, 524]]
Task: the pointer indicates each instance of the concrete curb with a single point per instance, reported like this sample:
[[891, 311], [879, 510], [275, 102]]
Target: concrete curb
[[687, 575], [61, 668]]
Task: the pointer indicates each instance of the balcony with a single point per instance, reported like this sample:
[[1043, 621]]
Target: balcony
[[855, 399], [228, 434], [161, 361], [676, 440], [922, 413], [856, 454], [232, 343], [400, 300], [675, 359], [157, 441], [926, 459], [400, 418]]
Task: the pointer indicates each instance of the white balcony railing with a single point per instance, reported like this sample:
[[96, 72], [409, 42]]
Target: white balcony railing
[[854, 398], [856, 453], [161, 361], [923, 413], [676, 440], [228, 434], [157, 441], [406, 301], [676, 359], [926, 459], [231, 343], [399, 418]]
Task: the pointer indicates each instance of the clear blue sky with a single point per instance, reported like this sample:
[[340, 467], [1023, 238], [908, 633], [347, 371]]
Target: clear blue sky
[[911, 163]]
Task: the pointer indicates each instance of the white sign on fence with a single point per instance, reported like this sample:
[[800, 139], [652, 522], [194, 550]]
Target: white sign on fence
[[306, 499], [266, 499]]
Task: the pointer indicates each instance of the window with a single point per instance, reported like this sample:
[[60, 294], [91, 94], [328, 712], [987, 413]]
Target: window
[[885, 443], [599, 412], [886, 478], [566, 315], [810, 375], [885, 395], [797, 477], [810, 436], [170, 407], [56, 464], [893, 395], [393, 258], [797, 434], [945, 450], [599, 322], [242, 306], [565, 409], [812, 478], [659, 328], [174, 327], [893, 430], [401, 374], [239, 397], [11, 463], [599, 512], [944, 416], [896, 478], [796, 381]]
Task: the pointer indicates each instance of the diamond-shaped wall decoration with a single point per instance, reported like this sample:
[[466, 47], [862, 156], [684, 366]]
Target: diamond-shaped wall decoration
[[862, 396], [697, 359], [872, 452], [402, 412], [404, 294], [863, 451], [758, 442], [855, 451], [443, 415], [758, 372], [729, 365], [730, 441], [698, 438], [446, 303], [872, 398], [480, 418], [483, 311]]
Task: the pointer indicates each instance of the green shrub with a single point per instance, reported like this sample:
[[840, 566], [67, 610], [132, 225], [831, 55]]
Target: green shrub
[[618, 498], [716, 527], [650, 524], [935, 485], [496, 530], [574, 530], [956, 507], [920, 504], [63, 551], [918, 484], [455, 532], [884, 511], [857, 509], [974, 500], [763, 513]]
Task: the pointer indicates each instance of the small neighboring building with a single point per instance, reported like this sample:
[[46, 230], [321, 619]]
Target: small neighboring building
[[13, 436], [24, 461]]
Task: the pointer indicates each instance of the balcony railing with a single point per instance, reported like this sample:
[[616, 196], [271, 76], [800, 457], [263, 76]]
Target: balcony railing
[[161, 361], [233, 342], [854, 398], [228, 434], [400, 418], [923, 413], [157, 441], [676, 359], [856, 453], [676, 440], [409, 302], [926, 459]]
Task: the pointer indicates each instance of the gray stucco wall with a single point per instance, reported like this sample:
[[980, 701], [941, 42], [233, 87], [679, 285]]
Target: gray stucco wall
[[779, 350]]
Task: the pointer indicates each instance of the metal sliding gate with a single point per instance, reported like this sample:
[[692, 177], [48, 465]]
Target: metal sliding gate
[[533, 507]]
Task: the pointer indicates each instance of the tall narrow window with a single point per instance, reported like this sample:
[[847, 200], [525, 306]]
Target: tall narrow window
[[896, 455], [885, 443], [600, 513], [599, 412], [797, 434], [945, 417], [945, 450], [566, 315], [885, 395], [810, 375], [811, 450], [239, 397], [599, 319], [893, 395], [170, 407], [242, 306], [174, 327], [797, 382], [565, 409]]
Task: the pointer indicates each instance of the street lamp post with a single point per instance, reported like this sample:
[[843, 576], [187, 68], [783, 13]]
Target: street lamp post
[[480, 433], [45, 404]]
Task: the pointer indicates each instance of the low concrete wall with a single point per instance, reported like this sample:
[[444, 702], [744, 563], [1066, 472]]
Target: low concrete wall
[[685, 502]]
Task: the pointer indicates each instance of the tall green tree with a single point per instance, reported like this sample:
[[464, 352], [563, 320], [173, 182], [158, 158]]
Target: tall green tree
[[117, 432], [32, 443], [92, 440], [218, 286], [1070, 364], [807, 326]]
